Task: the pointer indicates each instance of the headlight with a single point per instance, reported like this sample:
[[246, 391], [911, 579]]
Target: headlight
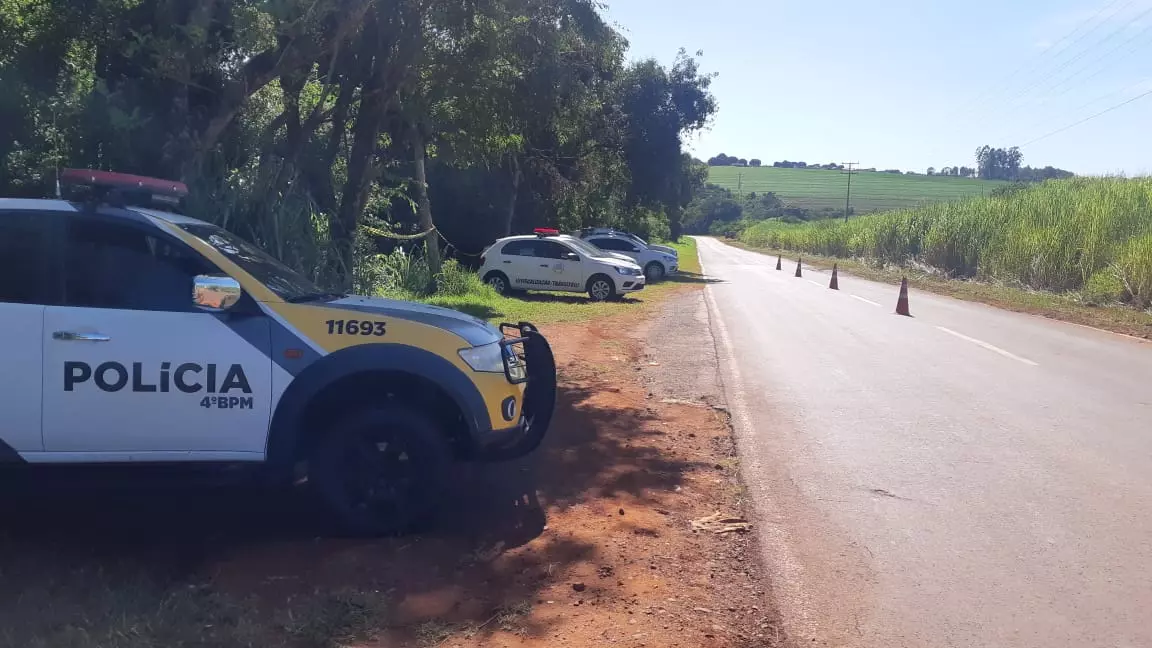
[[623, 271], [669, 258], [490, 358], [484, 358]]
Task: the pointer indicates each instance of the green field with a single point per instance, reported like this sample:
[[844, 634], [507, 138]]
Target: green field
[[871, 191]]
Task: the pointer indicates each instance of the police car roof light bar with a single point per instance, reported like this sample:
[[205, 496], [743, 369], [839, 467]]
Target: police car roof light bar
[[546, 231], [110, 180]]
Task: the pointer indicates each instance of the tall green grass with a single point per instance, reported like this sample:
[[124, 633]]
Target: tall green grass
[[1053, 236]]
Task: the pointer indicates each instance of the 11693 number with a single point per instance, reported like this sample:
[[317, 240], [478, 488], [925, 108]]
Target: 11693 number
[[355, 327]]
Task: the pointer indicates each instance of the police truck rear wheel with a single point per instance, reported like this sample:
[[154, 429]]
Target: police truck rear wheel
[[381, 470], [601, 288], [499, 282]]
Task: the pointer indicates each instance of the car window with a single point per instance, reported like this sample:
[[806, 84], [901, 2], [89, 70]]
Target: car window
[[288, 284], [23, 250], [616, 245], [518, 248], [552, 250], [119, 265], [587, 248]]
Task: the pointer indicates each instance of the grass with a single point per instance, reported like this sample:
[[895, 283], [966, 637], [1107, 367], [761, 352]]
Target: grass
[[871, 191], [550, 307], [115, 610]]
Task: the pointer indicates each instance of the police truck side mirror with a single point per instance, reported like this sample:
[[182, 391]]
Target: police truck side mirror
[[215, 293]]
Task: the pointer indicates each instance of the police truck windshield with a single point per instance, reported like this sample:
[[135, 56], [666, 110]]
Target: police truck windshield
[[279, 278]]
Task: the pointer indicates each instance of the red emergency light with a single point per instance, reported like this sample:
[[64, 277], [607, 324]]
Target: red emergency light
[[110, 180], [546, 231]]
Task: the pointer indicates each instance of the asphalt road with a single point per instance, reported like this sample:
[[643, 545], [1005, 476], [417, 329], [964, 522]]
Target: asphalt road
[[963, 477]]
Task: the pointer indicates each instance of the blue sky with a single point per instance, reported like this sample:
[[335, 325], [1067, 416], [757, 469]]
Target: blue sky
[[910, 84]]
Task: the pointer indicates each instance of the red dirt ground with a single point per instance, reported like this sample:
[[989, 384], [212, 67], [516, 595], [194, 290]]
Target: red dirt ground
[[588, 542]]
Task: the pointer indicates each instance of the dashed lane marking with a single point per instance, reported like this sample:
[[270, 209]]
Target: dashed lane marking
[[992, 348], [814, 283], [866, 301]]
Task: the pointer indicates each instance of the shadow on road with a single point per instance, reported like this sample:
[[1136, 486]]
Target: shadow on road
[[692, 278]]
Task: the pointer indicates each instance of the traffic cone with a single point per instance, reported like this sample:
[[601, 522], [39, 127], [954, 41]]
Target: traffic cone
[[777, 261], [797, 267], [834, 285], [902, 302]]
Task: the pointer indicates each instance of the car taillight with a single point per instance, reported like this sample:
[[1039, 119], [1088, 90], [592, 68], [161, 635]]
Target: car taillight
[[483, 259]]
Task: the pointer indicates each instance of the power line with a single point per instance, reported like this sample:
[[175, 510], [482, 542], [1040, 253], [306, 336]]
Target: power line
[[1079, 56], [1097, 60], [976, 105], [1089, 118]]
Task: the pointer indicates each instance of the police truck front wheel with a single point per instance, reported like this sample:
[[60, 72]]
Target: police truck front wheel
[[381, 470], [601, 288]]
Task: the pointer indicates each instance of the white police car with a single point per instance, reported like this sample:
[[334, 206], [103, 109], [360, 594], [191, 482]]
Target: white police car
[[548, 260], [133, 335], [658, 261]]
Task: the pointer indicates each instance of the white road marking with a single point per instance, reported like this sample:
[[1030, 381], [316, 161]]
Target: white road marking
[[866, 301], [994, 349], [814, 283]]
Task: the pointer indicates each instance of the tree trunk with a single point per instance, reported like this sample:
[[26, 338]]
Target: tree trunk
[[361, 170], [674, 226], [511, 215], [424, 208]]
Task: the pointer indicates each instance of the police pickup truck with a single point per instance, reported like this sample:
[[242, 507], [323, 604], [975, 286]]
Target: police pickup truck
[[131, 334]]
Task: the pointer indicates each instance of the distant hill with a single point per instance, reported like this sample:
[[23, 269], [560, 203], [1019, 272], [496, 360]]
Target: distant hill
[[871, 191]]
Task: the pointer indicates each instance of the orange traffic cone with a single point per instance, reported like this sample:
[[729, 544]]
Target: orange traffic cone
[[797, 267], [902, 302], [777, 261], [834, 285]]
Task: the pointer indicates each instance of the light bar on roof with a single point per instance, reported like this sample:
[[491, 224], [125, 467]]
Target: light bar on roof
[[111, 180]]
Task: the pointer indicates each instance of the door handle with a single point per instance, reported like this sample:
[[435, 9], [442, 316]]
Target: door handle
[[80, 337], [545, 265], [507, 261]]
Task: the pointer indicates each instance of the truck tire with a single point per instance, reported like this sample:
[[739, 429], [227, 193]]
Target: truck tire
[[381, 470], [601, 288]]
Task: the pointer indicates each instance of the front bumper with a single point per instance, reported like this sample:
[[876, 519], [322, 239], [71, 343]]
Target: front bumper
[[539, 399], [632, 284]]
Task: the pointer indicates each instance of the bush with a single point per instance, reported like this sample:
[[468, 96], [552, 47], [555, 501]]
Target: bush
[[1103, 288], [397, 274], [455, 280]]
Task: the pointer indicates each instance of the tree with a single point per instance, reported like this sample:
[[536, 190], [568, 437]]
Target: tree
[[998, 163], [931, 171], [658, 107], [320, 128], [711, 205], [754, 162]]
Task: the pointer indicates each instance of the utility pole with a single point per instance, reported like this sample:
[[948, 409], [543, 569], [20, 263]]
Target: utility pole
[[848, 195], [740, 183]]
